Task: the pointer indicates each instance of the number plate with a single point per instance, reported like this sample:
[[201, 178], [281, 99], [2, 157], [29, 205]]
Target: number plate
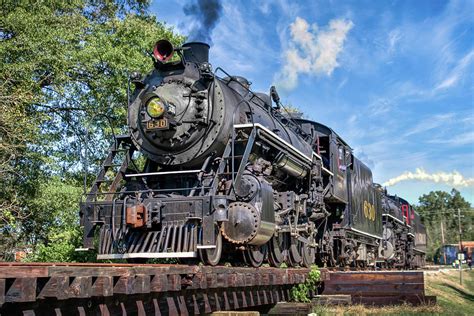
[[157, 124]]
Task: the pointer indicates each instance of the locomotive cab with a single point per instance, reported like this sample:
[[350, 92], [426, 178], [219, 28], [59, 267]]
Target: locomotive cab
[[336, 155]]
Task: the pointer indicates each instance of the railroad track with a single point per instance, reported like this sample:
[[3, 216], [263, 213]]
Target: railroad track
[[170, 289], [148, 289]]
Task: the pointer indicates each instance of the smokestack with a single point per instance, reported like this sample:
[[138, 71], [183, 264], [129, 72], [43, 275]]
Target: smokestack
[[196, 52], [206, 14]]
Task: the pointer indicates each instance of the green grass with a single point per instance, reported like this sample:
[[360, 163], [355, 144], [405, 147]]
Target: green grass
[[400, 310], [452, 298]]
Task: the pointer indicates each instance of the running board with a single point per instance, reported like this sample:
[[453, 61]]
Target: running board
[[206, 247], [190, 254]]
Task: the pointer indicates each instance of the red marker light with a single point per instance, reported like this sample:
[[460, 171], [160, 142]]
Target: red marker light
[[163, 50]]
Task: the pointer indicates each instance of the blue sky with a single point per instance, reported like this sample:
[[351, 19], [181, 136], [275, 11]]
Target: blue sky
[[392, 78]]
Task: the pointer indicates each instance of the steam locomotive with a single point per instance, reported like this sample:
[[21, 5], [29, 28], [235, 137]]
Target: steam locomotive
[[214, 172]]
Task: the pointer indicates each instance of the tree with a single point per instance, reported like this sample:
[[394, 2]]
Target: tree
[[56, 231], [439, 207], [63, 71], [292, 111]]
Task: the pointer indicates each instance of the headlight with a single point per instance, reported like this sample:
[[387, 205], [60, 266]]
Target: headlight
[[155, 107]]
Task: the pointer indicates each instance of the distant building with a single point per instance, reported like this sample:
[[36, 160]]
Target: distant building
[[468, 248], [447, 254]]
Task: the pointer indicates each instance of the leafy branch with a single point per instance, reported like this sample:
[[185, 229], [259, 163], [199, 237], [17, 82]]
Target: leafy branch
[[300, 292]]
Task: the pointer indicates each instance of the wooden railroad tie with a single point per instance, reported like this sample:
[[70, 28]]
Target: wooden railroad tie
[[140, 290]]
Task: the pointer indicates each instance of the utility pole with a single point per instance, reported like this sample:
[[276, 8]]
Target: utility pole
[[442, 232], [460, 257], [442, 241]]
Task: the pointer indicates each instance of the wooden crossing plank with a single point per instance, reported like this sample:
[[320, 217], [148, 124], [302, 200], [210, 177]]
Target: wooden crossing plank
[[375, 277], [375, 289], [371, 283]]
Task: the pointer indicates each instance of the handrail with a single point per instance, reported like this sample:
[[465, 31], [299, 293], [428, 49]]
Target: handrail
[[161, 173]]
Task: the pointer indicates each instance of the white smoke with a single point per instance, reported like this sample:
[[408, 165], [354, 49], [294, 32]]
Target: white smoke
[[311, 50], [454, 178]]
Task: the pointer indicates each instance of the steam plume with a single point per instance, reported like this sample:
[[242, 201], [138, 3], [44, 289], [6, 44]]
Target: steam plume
[[205, 14], [454, 178]]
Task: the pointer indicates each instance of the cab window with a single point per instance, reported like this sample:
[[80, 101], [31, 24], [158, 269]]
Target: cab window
[[341, 163]]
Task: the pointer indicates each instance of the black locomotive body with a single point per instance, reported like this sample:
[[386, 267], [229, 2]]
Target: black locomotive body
[[212, 171], [404, 236]]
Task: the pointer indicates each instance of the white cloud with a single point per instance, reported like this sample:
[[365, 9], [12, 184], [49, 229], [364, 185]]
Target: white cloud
[[456, 140], [380, 106], [458, 71], [249, 51], [342, 84], [469, 120], [288, 8], [454, 178], [393, 38], [352, 119], [312, 50], [264, 7], [456, 74], [430, 123]]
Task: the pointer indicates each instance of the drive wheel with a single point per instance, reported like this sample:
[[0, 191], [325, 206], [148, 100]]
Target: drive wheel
[[276, 251], [255, 255], [212, 256], [308, 255], [294, 257]]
